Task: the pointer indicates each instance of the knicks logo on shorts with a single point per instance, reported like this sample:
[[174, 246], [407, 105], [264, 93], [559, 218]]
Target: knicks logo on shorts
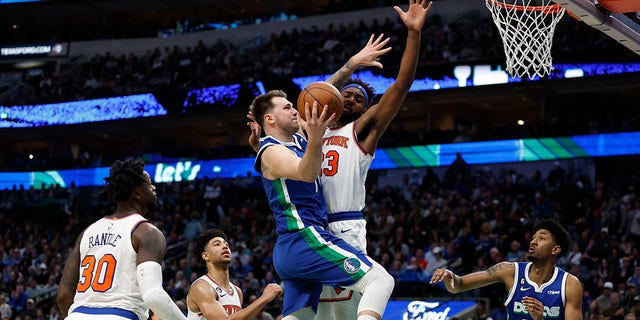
[[351, 265]]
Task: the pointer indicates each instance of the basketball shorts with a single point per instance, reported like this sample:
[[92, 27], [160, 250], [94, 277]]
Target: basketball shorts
[[310, 258]]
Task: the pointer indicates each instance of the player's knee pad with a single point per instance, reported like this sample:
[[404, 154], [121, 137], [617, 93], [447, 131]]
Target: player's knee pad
[[376, 287]]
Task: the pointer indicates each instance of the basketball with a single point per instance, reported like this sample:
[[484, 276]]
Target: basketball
[[326, 95]]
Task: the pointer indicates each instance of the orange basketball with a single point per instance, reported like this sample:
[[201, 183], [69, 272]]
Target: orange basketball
[[326, 95]]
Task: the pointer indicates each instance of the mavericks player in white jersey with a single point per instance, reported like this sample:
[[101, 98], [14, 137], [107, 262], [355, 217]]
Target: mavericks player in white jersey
[[113, 272], [349, 149], [213, 296]]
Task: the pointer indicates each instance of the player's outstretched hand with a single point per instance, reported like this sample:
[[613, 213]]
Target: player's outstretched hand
[[368, 56], [416, 15], [446, 276]]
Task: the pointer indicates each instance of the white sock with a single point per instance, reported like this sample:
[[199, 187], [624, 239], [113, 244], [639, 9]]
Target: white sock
[[366, 317]]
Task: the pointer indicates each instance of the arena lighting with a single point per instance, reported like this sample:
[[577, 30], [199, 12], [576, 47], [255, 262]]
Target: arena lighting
[[145, 105], [460, 76], [134, 106], [19, 1], [464, 75], [484, 152]]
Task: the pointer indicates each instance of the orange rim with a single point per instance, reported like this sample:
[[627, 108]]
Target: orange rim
[[554, 8]]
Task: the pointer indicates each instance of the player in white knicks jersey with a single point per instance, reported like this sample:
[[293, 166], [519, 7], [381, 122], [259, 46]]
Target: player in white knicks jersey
[[349, 148], [213, 296], [113, 272]]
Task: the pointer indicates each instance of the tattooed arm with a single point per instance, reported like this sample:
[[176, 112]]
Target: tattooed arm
[[500, 272]]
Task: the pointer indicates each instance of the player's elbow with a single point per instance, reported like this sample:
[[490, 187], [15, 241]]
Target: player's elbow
[[154, 297]]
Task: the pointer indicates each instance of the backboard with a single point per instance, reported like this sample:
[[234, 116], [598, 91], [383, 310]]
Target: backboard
[[619, 19]]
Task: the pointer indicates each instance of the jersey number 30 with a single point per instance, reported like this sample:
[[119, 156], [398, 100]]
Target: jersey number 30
[[331, 169], [97, 276]]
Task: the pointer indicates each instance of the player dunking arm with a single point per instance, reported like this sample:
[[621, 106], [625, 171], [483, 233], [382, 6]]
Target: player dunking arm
[[537, 289], [306, 256], [213, 296], [349, 149], [113, 271]]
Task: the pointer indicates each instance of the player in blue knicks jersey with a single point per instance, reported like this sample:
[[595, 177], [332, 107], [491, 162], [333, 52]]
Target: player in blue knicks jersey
[[306, 256], [537, 289]]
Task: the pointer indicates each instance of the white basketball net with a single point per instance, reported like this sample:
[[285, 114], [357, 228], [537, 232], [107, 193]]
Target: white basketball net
[[526, 28]]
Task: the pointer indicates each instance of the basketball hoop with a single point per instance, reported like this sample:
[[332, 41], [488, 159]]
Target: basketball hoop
[[526, 28]]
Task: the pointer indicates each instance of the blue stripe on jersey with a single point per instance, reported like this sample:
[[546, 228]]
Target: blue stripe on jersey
[[107, 311], [295, 204], [551, 294]]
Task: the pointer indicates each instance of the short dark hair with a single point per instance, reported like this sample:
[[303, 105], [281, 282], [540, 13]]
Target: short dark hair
[[262, 103], [371, 92], [124, 176], [558, 232], [203, 239]]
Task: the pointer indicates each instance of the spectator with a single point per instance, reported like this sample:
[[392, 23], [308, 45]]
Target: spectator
[[602, 302], [515, 254], [5, 308], [192, 230], [19, 299], [435, 260]]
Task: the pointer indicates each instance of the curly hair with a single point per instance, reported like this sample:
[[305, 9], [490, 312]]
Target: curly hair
[[559, 234], [124, 176], [203, 239]]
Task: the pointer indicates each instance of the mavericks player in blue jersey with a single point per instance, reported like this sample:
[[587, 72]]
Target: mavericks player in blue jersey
[[535, 290], [306, 255]]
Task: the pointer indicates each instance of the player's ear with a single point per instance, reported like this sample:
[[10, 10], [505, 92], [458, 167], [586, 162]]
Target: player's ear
[[269, 117], [135, 193], [556, 250], [204, 255]]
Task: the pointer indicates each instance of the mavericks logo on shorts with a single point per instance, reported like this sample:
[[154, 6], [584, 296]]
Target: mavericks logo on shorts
[[351, 265]]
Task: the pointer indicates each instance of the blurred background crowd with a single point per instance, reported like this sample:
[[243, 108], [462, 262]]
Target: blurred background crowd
[[458, 216], [466, 219]]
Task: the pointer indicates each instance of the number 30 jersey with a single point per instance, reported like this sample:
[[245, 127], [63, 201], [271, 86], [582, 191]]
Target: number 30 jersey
[[344, 170], [108, 267]]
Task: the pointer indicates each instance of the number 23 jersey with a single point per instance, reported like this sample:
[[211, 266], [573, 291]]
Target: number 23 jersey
[[344, 170]]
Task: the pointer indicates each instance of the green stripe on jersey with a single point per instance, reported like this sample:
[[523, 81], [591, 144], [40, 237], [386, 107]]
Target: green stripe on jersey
[[291, 216], [334, 254]]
